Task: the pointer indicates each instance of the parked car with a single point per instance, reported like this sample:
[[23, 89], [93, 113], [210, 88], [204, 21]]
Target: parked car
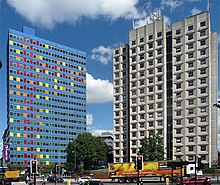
[[54, 179], [199, 180], [83, 179]]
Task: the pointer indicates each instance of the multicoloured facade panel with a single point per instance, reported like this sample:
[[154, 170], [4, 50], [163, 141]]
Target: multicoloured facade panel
[[46, 98]]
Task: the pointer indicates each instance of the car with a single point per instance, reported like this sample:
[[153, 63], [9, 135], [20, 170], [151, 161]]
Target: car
[[199, 180], [94, 182], [54, 179], [83, 179]]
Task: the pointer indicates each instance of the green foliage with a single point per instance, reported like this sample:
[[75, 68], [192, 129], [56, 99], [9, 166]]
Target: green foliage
[[152, 148], [86, 151]]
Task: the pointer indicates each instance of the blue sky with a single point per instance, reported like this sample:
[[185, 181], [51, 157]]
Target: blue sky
[[93, 26]]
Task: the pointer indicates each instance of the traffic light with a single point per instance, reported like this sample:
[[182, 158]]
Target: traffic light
[[57, 169], [139, 162], [33, 166]]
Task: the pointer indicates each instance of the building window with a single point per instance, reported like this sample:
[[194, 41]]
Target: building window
[[159, 34], [202, 71], [191, 111], [191, 130], [190, 83], [203, 90], [191, 120], [151, 115], [203, 129], [178, 122], [202, 33], [150, 37], [203, 81], [191, 101], [178, 32], [178, 113], [203, 138], [191, 93], [190, 28], [141, 56], [203, 52], [203, 148], [190, 46], [190, 37], [151, 124], [141, 39], [178, 40], [202, 42], [203, 61], [159, 42], [191, 148], [191, 158], [133, 117], [190, 55], [178, 131], [203, 119], [191, 139], [133, 42], [150, 45], [178, 140], [178, 49], [202, 23]]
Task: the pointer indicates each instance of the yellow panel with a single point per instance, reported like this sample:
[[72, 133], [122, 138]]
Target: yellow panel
[[37, 96], [64, 63], [55, 86], [47, 156], [41, 156], [18, 148], [58, 74], [18, 134], [25, 148], [25, 135], [11, 42], [38, 149], [37, 70], [72, 84], [79, 67], [61, 88], [40, 57], [46, 45], [38, 136], [47, 111], [11, 133], [18, 58], [11, 77], [41, 83], [55, 80], [18, 107], [47, 162], [11, 120], [46, 72], [46, 84], [46, 98], [17, 51], [18, 79]]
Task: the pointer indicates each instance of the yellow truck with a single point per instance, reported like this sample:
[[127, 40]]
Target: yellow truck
[[151, 171]]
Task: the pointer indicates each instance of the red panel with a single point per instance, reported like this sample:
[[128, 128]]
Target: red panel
[[38, 129], [25, 60], [47, 65], [31, 67], [18, 72], [32, 135], [24, 66], [31, 61], [31, 47], [31, 95], [25, 162], [35, 89], [31, 101], [25, 73], [25, 128], [31, 115], [32, 129], [11, 63], [38, 63], [37, 43], [31, 41], [43, 70], [25, 39], [25, 53], [55, 73], [29, 121], [25, 80], [25, 141], [37, 83], [64, 76], [32, 155], [18, 65], [32, 142]]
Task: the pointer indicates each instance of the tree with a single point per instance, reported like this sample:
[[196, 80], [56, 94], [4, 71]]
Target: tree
[[87, 150], [109, 154], [152, 148]]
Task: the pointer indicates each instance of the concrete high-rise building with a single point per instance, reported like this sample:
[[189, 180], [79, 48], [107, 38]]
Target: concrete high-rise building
[[166, 81], [46, 99]]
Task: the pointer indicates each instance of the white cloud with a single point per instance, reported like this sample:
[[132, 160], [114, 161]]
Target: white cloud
[[102, 54], [172, 4], [48, 13], [98, 90], [195, 11], [89, 119], [97, 132]]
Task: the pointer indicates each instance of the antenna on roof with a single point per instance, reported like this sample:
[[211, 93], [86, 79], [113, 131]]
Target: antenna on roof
[[208, 5]]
